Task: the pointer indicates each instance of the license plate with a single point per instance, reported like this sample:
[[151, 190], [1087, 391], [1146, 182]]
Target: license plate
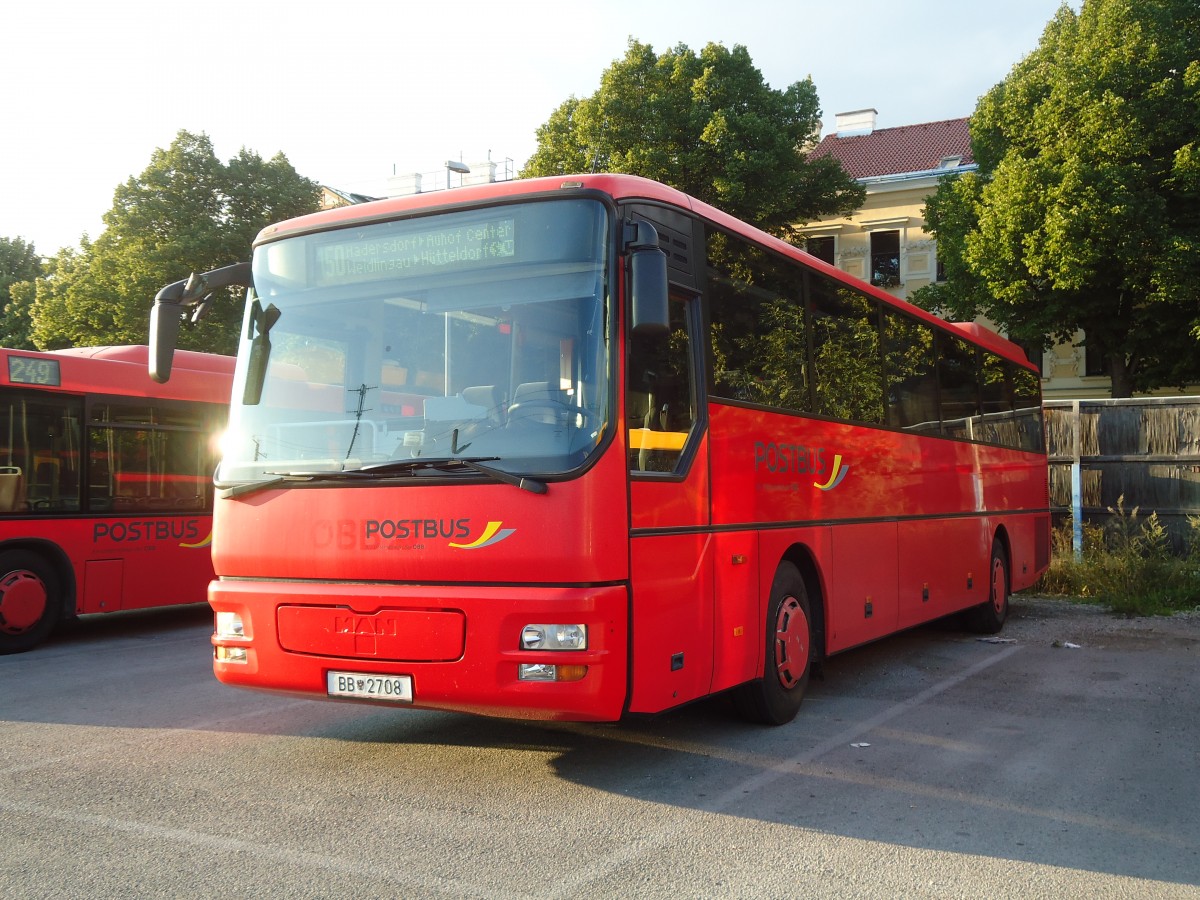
[[364, 686]]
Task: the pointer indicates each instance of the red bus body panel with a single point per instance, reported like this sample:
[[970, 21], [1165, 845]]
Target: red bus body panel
[[483, 622], [880, 573], [378, 562], [134, 562], [419, 535]]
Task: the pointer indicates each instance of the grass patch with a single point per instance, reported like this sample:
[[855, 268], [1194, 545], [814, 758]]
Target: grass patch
[[1127, 565]]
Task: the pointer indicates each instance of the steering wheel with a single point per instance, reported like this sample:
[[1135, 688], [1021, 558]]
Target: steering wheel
[[528, 409]]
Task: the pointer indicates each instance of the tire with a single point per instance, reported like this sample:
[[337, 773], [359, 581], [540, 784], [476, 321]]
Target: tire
[[989, 617], [775, 698], [30, 602]]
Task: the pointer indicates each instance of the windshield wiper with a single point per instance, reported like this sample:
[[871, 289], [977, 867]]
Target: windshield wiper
[[450, 463], [393, 467], [241, 489], [533, 485], [226, 492]]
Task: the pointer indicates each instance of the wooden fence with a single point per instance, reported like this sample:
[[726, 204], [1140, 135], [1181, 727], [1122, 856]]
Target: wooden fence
[[1145, 450]]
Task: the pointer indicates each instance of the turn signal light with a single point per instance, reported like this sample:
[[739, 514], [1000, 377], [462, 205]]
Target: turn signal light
[[232, 654], [544, 672]]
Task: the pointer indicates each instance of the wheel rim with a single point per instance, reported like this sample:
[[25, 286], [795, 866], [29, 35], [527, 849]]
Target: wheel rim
[[791, 642], [22, 601], [999, 586]]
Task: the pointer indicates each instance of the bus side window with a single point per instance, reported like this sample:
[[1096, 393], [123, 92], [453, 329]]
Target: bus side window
[[958, 386], [660, 397], [911, 374], [100, 489]]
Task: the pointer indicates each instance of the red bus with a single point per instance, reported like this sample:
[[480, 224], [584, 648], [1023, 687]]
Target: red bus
[[105, 484], [585, 447]]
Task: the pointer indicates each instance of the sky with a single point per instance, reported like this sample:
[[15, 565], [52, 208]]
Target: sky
[[355, 91]]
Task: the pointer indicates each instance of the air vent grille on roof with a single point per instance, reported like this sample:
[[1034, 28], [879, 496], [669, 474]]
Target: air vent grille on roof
[[675, 247], [675, 237]]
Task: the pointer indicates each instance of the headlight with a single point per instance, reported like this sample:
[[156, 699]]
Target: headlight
[[229, 625], [554, 637]]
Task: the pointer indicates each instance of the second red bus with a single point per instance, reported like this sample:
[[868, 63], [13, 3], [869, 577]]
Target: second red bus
[[105, 484]]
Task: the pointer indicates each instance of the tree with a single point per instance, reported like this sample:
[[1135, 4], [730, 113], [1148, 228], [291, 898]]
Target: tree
[[186, 212], [19, 266], [1085, 210], [708, 125]]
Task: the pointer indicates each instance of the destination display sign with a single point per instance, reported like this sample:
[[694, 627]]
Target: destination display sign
[[370, 257], [31, 370]]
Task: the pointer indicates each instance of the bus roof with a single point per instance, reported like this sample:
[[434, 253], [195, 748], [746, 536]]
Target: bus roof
[[139, 353], [123, 370], [620, 187]]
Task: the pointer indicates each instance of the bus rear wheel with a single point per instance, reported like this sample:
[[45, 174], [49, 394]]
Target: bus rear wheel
[[775, 698], [29, 601], [989, 617]]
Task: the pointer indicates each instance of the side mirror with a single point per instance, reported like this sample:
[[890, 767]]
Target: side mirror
[[261, 323], [649, 314], [176, 299], [165, 318]]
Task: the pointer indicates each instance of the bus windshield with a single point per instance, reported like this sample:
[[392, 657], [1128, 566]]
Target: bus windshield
[[479, 334]]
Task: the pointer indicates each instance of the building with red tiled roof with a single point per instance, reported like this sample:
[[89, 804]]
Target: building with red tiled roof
[[884, 242], [869, 153]]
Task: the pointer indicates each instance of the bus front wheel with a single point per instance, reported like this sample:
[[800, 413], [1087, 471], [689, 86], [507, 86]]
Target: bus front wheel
[[29, 602], [775, 698]]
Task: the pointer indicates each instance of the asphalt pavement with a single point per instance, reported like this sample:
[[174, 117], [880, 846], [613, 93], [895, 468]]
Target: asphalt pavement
[[1060, 759]]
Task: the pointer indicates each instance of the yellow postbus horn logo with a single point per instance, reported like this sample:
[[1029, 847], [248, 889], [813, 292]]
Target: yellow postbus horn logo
[[493, 534], [199, 544], [835, 476]]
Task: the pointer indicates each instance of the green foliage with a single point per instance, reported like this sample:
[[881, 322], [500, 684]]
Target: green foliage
[[1127, 566], [186, 212], [1085, 211], [19, 267], [708, 125]]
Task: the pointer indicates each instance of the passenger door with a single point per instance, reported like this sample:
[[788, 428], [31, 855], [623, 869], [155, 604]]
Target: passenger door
[[670, 547]]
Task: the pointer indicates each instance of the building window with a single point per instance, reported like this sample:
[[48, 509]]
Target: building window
[[885, 258], [1094, 361], [821, 248]]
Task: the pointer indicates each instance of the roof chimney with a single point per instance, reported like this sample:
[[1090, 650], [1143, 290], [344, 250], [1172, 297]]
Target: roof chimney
[[856, 122]]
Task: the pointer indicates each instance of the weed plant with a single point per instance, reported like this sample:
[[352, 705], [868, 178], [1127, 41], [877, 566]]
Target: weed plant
[[1127, 565]]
